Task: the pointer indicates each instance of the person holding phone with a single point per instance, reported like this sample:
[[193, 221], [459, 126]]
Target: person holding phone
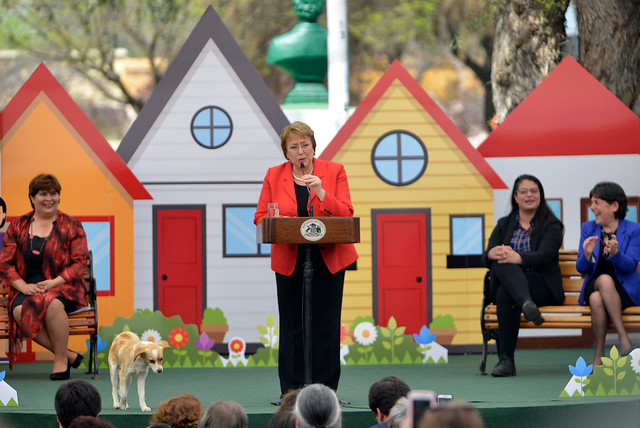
[[608, 255]]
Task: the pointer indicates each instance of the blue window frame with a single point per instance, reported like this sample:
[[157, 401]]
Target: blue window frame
[[399, 158], [239, 233], [99, 231], [211, 127]]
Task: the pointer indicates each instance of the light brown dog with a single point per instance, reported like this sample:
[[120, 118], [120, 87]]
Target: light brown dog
[[129, 356]]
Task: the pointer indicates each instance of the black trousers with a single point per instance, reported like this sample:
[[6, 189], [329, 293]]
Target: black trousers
[[514, 287], [326, 297]]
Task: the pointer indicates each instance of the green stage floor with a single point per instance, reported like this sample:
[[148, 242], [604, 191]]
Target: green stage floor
[[530, 399]]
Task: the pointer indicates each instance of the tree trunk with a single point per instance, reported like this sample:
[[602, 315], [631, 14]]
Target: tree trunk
[[610, 45], [527, 46]]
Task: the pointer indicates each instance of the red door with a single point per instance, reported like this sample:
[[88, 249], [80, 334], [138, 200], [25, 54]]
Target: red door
[[179, 262], [402, 259]]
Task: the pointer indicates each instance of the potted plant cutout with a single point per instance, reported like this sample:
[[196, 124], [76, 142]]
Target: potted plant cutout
[[214, 324], [444, 328]]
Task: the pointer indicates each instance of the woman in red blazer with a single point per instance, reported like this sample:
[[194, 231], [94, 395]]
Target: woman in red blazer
[[291, 185]]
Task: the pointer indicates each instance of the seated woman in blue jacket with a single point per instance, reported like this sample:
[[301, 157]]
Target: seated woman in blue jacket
[[609, 252]]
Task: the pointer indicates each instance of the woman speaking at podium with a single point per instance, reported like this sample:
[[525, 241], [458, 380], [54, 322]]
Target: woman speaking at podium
[[304, 186]]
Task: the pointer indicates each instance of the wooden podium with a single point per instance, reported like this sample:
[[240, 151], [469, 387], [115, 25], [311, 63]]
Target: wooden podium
[[308, 231]]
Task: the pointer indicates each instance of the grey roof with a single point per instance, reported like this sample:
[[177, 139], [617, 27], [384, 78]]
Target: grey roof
[[210, 27]]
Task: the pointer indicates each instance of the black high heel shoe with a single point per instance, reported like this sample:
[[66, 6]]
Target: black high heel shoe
[[61, 375], [79, 359]]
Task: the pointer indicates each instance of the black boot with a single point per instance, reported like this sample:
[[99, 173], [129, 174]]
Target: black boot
[[532, 313], [505, 367]]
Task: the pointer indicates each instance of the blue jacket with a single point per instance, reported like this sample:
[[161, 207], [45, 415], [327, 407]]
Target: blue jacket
[[625, 262]]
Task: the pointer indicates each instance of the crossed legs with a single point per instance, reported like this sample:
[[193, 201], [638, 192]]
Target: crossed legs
[[54, 334], [605, 303]]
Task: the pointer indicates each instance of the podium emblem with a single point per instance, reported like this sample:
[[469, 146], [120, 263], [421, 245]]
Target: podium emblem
[[313, 229]]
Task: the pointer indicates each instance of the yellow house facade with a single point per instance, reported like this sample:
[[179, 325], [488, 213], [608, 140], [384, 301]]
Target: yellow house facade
[[424, 196]]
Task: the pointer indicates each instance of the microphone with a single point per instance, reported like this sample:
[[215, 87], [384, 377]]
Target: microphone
[[308, 190]]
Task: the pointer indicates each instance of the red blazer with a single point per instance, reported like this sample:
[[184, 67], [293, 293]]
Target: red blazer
[[278, 187]]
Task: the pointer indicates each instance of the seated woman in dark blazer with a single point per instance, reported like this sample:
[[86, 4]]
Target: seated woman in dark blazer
[[522, 254], [608, 254]]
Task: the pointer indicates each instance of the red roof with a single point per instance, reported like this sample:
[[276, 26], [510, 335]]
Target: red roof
[[569, 113], [43, 81], [397, 72]]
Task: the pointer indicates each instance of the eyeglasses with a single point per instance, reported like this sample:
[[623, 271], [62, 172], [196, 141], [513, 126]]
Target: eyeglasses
[[533, 190], [296, 147]]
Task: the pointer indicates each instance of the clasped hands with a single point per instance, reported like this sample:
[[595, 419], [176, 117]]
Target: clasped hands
[[610, 248], [505, 254], [41, 287]]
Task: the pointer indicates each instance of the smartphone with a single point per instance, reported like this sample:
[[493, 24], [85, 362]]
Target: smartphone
[[445, 398], [420, 401]]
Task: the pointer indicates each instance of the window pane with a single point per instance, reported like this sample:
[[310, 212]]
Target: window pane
[[388, 169], [556, 207], [411, 169], [240, 232], [99, 242], [466, 234], [388, 146], [410, 147]]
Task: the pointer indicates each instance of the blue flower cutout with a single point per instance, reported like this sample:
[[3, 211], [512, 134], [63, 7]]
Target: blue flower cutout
[[101, 345], [424, 338], [581, 369], [2, 375]]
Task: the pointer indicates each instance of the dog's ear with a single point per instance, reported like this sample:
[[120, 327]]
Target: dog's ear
[[138, 352], [164, 344]]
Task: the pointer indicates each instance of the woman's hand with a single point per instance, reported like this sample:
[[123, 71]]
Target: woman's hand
[[314, 184], [31, 289], [48, 284], [588, 245], [611, 246], [505, 254]]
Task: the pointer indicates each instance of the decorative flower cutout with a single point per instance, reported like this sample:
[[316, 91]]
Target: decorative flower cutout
[[236, 345], [365, 333], [178, 337], [151, 336], [424, 338], [101, 345], [343, 332], [2, 375], [635, 360], [581, 369], [204, 343]]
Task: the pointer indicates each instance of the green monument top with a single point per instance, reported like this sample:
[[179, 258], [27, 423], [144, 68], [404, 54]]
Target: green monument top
[[302, 54]]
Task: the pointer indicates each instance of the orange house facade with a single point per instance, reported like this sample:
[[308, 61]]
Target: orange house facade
[[42, 130]]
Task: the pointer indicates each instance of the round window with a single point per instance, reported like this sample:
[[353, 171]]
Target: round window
[[399, 158], [211, 127]]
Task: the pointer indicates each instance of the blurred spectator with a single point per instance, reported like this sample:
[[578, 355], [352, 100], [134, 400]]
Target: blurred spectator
[[224, 414], [398, 413], [317, 406], [383, 395], [452, 415], [76, 398], [182, 411]]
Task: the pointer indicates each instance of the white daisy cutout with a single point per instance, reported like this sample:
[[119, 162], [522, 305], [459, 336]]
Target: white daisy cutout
[[635, 360], [365, 333], [151, 336]]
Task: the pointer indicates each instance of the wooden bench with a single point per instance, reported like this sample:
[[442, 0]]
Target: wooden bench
[[81, 322], [568, 315]]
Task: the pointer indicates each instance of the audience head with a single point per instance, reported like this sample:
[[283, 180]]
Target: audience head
[[318, 406], [224, 414], [383, 395], [285, 418], [452, 415], [182, 411], [90, 422], [76, 398], [398, 413], [289, 400]]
